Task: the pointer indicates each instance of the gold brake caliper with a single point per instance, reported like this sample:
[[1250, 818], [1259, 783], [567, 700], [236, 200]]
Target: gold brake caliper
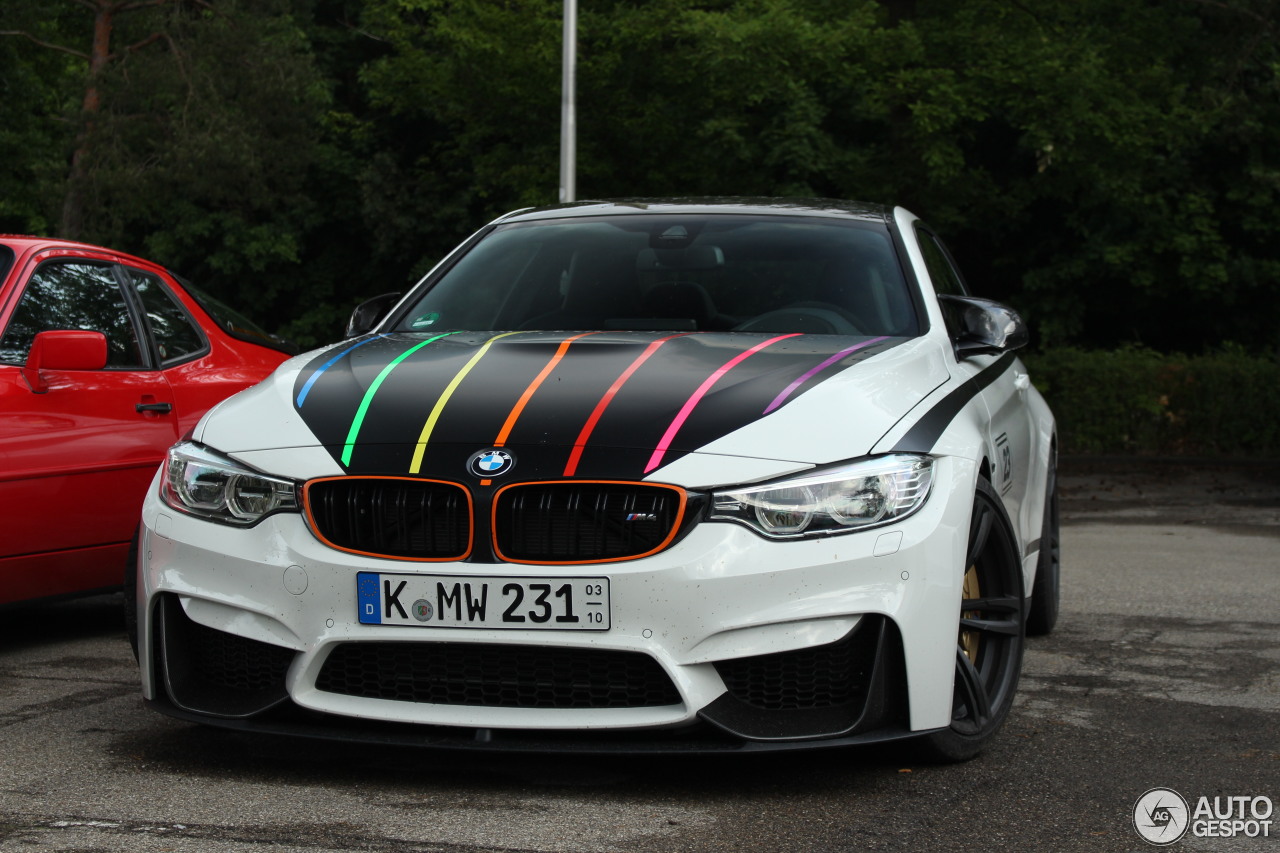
[[969, 639]]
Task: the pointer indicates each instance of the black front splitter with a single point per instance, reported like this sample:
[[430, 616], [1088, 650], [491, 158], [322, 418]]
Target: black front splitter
[[695, 740]]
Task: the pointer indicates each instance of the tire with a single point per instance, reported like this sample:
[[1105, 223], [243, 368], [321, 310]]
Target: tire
[[1042, 615], [989, 635], [130, 590]]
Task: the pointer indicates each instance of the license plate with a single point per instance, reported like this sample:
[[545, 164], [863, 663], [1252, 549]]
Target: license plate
[[449, 601]]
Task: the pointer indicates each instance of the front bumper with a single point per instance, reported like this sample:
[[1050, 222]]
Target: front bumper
[[725, 641]]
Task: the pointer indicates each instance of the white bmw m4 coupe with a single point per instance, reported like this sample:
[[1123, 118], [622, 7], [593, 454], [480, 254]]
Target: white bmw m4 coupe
[[638, 476]]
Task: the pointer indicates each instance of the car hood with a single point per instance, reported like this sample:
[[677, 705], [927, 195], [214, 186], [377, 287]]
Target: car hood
[[688, 408]]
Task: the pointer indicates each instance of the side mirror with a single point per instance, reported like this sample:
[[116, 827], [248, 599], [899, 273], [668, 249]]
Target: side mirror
[[369, 313], [63, 349], [981, 326]]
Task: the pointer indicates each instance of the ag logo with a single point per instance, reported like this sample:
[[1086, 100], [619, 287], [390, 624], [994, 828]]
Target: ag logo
[[1161, 816], [490, 463]]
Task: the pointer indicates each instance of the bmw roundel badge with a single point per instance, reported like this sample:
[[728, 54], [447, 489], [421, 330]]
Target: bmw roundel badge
[[491, 463]]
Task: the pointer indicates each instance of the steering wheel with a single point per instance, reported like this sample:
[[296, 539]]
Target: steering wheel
[[813, 318]]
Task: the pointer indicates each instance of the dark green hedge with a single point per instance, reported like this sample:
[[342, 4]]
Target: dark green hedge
[[1137, 401]]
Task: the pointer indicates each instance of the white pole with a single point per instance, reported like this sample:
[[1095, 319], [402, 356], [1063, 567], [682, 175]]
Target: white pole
[[568, 96]]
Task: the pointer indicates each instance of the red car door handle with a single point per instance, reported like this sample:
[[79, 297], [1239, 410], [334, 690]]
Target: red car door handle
[[163, 408]]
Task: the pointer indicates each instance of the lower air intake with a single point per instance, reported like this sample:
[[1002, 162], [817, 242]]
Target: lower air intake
[[216, 672], [497, 676]]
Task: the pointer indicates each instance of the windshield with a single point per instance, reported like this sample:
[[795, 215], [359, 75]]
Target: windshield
[[675, 272]]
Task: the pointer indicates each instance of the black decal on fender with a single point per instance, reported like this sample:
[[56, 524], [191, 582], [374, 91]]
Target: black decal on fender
[[925, 434]]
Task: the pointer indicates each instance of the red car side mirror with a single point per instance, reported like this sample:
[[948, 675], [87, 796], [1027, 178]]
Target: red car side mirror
[[64, 349]]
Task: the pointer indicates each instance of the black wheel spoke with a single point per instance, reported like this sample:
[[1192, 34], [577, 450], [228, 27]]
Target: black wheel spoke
[[991, 626], [1006, 627], [979, 530], [994, 604], [970, 689], [984, 614]]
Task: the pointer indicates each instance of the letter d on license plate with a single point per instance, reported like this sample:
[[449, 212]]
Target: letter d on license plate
[[447, 601]]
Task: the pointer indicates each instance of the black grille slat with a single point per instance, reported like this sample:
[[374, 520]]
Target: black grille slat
[[412, 519], [582, 522], [497, 676], [555, 522]]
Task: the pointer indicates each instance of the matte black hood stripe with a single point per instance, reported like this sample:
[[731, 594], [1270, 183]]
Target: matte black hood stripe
[[429, 427], [687, 409], [578, 446], [588, 404], [809, 374], [349, 445], [518, 408], [306, 388]]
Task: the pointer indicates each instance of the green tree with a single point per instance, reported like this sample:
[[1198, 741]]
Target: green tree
[[1107, 166], [1111, 168], [37, 92], [196, 150], [674, 98]]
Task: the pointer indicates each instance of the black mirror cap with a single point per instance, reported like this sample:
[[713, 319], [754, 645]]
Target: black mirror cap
[[366, 316], [982, 326]]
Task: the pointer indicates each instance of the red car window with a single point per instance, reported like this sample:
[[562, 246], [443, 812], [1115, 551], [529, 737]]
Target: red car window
[[74, 295], [176, 335]]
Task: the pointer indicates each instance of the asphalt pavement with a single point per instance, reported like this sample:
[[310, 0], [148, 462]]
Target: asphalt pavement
[[1164, 674]]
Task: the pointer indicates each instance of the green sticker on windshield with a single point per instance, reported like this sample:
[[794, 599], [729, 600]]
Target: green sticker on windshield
[[425, 320]]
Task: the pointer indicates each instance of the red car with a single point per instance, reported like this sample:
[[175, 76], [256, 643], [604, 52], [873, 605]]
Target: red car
[[105, 361]]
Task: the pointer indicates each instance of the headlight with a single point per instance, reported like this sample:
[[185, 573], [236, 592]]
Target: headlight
[[200, 482], [843, 499]]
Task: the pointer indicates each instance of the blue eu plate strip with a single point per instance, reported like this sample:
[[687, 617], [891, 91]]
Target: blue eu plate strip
[[370, 601]]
